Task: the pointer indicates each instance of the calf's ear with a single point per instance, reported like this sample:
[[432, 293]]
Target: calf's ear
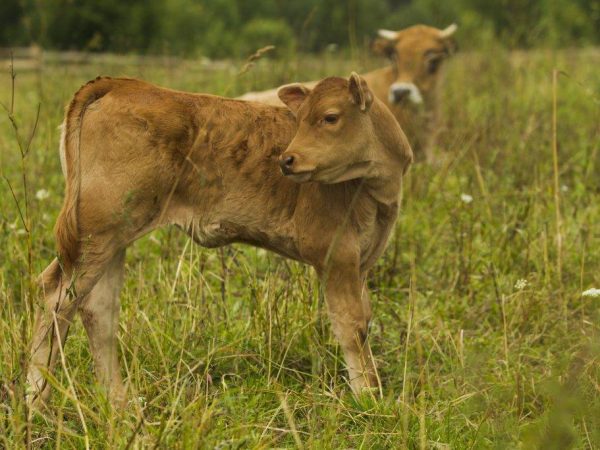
[[293, 95], [360, 93]]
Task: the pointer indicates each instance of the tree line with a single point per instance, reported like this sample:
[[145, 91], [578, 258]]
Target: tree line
[[235, 28]]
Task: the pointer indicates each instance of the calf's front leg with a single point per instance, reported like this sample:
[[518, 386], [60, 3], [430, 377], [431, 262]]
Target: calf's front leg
[[350, 312]]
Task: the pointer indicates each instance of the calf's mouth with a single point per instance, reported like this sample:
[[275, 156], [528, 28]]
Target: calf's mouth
[[299, 177]]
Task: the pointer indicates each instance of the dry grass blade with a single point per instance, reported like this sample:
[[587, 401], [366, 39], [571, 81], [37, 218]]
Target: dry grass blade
[[255, 57]]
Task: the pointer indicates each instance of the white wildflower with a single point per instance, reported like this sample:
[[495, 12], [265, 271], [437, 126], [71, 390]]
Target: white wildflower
[[521, 284], [564, 188], [42, 194], [140, 400], [593, 292], [466, 198]]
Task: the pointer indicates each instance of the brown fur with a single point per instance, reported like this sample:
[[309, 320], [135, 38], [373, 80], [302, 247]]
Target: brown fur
[[409, 53], [138, 157]]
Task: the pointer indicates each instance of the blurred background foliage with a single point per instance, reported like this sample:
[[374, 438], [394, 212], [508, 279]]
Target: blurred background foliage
[[234, 28]]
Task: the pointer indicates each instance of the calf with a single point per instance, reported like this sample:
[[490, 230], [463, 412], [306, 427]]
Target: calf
[[409, 85], [137, 157]]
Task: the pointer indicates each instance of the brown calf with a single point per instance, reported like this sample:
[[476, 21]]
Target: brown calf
[[137, 157], [408, 86]]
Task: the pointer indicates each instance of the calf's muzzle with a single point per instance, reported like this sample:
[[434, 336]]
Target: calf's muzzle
[[286, 163]]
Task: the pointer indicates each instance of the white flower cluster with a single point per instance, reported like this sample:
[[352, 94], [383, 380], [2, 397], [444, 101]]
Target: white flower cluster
[[593, 292], [521, 284], [466, 198], [42, 194]]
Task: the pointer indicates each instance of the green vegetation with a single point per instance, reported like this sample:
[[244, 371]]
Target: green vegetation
[[217, 28], [481, 333]]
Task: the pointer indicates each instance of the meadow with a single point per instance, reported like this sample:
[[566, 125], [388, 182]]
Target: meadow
[[481, 333]]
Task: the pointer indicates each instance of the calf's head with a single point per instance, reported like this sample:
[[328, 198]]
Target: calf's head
[[339, 134], [416, 53]]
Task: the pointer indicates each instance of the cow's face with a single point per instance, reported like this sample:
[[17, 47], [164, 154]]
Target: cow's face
[[417, 54], [335, 134]]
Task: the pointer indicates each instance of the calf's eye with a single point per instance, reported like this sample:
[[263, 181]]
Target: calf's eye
[[331, 119]]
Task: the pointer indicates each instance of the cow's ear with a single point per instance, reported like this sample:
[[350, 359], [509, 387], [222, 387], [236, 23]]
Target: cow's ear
[[385, 42], [293, 95], [388, 34], [360, 93], [447, 34]]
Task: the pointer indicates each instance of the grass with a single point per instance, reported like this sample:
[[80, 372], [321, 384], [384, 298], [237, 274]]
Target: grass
[[231, 349]]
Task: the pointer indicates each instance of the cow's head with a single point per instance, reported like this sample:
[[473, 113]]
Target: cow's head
[[416, 53], [343, 131]]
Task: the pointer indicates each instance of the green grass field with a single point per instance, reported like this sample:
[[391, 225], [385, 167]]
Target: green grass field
[[481, 333]]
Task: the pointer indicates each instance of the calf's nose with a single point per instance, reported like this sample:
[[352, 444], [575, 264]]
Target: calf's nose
[[286, 162]]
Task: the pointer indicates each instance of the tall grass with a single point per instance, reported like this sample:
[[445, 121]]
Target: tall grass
[[482, 336]]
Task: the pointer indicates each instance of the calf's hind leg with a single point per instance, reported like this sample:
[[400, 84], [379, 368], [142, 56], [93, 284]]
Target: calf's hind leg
[[99, 313], [62, 292], [52, 323]]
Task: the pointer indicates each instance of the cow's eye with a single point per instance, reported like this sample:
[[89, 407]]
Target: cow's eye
[[331, 119], [433, 65]]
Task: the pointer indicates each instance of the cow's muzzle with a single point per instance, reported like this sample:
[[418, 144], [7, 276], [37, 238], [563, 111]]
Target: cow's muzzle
[[400, 92]]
